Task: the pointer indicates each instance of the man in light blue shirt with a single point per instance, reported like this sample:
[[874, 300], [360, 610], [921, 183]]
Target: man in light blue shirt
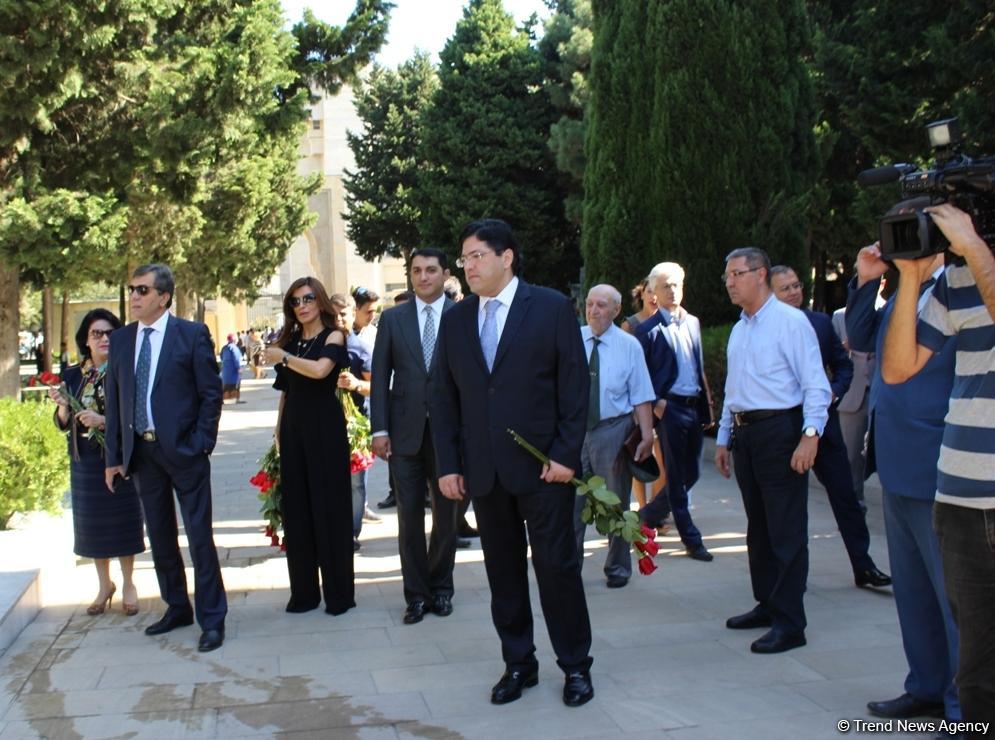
[[776, 406], [620, 389]]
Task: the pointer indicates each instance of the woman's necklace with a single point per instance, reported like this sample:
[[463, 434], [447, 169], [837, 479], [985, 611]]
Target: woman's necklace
[[303, 349]]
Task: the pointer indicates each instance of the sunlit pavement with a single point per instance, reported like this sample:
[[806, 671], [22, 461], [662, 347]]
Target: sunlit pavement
[[665, 666]]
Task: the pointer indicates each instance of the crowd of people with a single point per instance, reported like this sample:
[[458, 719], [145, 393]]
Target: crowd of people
[[444, 377]]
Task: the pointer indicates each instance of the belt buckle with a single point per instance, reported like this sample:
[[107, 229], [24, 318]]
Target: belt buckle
[[148, 436], [738, 417]]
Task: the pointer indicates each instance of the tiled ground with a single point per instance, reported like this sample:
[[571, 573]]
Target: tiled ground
[[665, 666]]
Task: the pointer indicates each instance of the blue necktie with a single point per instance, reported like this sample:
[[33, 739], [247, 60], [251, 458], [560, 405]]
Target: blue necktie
[[142, 382], [488, 334]]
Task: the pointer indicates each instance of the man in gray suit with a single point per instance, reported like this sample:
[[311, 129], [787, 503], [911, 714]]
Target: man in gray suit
[[852, 408], [404, 353]]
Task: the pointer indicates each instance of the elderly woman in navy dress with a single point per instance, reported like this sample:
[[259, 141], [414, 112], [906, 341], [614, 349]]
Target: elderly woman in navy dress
[[106, 525]]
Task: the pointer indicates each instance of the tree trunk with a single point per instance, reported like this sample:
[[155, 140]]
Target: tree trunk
[[201, 309], [10, 322], [122, 305], [65, 329], [184, 304], [406, 254], [48, 326]]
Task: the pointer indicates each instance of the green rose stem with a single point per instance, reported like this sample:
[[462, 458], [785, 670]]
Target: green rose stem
[[76, 407]]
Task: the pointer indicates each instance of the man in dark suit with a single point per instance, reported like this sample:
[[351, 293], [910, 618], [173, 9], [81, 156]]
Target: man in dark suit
[[163, 406], [403, 356], [511, 357], [832, 466], [671, 341]]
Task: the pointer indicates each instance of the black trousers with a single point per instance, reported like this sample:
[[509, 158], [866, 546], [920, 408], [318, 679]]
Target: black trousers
[[155, 479], [776, 501], [503, 520], [832, 469], [426, 572]]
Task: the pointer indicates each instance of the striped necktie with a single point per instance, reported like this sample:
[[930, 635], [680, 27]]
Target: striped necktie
[[142, 382]]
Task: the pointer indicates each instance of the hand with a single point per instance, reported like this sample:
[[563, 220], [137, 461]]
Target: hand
[[644, 449], [957, 227], [109, 475], [870, 266], [553, 472], [722, 460], [452, 486], [804, 454], [348, 381], [90, 419], [274, 355], [381, 447], [659, 408], [916, 270], [711, 417], [56, 396], [276, 440]]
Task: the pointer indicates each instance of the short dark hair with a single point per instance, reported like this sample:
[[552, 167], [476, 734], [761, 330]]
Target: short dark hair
[[782, 269], [164, 282], [755, 257], [430, 252], [362, 296], [497, 235], [404, 295], [83, 333]]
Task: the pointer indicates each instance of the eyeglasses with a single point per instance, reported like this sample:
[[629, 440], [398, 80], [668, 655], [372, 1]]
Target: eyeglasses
[[99, 334], [736, 274], [305, 299], [142, 290], [472, 258]]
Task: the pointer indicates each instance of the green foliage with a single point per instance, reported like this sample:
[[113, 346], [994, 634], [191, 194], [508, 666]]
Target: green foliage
[[34, 470], [699, 140], [383, 211], [713, 345], [485, 145]]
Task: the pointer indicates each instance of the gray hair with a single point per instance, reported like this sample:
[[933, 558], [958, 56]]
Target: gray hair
[[665, 269], [163, 281], [782, 270], [755, 258], [612, 291]]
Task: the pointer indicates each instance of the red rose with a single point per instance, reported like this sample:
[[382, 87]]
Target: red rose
[[32, 381], [651, 548], [257, 480], [283, 547], [646, 565], [274, 540], [648, 532], [269, 531]]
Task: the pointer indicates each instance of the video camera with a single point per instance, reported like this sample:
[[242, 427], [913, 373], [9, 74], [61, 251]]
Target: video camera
[[956, 178]]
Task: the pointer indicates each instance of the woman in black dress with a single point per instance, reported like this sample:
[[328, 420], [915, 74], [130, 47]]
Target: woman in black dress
[[106, 525], [314, 451]]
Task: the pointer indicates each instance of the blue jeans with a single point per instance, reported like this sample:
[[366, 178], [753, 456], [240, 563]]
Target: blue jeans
[[967, 546], [358, 501]]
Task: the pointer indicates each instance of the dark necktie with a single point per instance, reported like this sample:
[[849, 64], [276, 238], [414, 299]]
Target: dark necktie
[[594, 401], [142, 382]]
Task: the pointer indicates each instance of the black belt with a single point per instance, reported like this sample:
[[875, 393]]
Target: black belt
[[686, 400], [148, 436], [742, 418]]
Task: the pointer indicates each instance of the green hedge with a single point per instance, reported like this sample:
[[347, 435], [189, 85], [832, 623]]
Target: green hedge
[[713, 344], [34, 464]]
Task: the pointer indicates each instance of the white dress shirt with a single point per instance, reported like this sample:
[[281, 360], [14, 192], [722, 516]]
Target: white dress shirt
[[436, 307], [679, 334], [624, 381], [155, 341], [504, 298]]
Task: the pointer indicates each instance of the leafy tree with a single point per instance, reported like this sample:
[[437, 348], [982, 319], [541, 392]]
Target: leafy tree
[[384, 213], [484, 144]]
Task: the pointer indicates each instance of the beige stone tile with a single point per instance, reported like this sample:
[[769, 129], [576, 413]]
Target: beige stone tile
[[528, 719], [56, 704], [443, 675], [365, 659]]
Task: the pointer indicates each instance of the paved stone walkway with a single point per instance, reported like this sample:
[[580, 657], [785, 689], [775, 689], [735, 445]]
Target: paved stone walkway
[[665, 666]]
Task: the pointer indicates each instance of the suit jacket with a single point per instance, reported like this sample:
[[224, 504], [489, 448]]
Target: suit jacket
[[186, 393], [907, 418], [863, 369], [538, 387], [400, 408], [661, 356], [834, 356]]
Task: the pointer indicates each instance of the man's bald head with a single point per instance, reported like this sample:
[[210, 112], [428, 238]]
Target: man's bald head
[[603, 304]]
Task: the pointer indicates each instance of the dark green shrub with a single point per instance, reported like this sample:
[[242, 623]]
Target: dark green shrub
[[34, 464], [713, 343]]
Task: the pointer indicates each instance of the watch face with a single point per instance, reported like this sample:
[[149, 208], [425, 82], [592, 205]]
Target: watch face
[[809, 431]]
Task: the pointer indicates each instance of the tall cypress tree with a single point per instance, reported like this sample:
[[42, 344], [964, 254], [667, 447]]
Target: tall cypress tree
[[484, 144]]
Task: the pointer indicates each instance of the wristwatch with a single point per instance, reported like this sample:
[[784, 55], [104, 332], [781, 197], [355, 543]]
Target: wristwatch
[[286, 359], [810, 432]]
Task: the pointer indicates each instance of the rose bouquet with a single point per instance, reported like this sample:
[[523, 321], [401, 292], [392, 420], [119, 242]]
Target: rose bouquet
[[603, 509], [267, 480], [357, 428]]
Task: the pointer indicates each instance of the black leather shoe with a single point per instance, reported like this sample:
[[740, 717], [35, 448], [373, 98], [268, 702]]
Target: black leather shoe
[[211, 640], [387, 503], [355, 544], [442, 605], [462, 544], [578, 688], [617, 581], [699, 553], [871, 577], [415, 612], [751, 620], [511, 684], [778, 641], [466, 531], [905, 707], [168, 623]]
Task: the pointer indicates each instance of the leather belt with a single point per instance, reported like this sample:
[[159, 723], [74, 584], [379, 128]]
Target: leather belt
[[686, 400], [148, 436], [742, 418]]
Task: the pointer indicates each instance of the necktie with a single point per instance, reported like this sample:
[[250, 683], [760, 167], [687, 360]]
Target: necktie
[[488, 334], [142, 382], [428, 336], [594, 400]]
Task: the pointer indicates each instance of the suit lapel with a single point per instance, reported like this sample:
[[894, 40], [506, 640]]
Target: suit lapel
[[472, 331], [516, 312], [408, 321], [166, 350], [446, 305], [126, 376]]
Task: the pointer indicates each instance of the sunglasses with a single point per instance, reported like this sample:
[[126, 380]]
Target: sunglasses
[[305, 299], [99, 334], [142, 290]]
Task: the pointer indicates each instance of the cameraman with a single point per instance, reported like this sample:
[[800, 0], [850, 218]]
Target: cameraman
[[962, 305]]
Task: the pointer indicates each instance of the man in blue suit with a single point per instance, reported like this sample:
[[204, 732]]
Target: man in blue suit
[[163, 407], [906, 429], [511, 357], [671, 341], [832, 466]]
